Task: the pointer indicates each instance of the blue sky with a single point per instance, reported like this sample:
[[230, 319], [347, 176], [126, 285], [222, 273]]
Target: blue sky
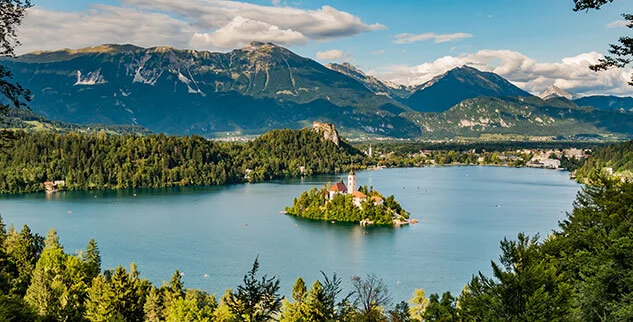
[[495, 35]]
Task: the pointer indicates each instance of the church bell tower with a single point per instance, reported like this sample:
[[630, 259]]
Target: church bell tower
[[351, 181]]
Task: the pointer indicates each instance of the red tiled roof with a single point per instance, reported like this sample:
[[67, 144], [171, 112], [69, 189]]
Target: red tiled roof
[[339, 187], [358, 194]]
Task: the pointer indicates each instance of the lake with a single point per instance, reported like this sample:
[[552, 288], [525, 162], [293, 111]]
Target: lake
[[464, 212]]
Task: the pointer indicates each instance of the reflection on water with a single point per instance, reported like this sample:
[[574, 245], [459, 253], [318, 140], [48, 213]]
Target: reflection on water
[[217, 231]]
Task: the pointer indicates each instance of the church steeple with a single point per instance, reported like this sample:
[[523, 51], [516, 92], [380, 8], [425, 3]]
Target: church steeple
[[351, 180]]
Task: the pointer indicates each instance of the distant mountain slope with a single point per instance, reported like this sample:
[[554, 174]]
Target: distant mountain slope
[[458, 84], [604, 102], [249, 90], [263, 86], [522, 116], [372, 83], [26, 120]]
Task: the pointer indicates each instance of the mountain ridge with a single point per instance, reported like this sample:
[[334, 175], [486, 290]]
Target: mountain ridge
[[458, 84], [263, 86], [253, 89]]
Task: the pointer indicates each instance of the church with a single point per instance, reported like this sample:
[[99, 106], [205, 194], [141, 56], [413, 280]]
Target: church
[[351, 189]]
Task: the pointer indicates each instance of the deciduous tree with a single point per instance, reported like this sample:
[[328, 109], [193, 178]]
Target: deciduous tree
[[371, 296]]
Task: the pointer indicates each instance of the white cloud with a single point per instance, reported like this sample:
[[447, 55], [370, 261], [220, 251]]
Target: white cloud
[[407, 38], [241, 31], [333, 54], [378, 52], [322, 24], [44, 29], [204, 24], [571, 74], [618, 24]]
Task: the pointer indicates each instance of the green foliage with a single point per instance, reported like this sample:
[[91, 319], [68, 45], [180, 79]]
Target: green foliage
[[92, 260], [57, 289], [24, 249], [255, 300], [315, 204], [319, 303], [582, 272], [441, 309], [101, 161], [281, 153], [122, 297], [295, 311], [400, 313], [14, 309], [618, 157]]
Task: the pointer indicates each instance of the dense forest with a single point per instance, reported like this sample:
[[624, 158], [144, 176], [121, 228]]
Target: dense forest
[[582, 272], [618, 157], [102, 161], [315, 204]]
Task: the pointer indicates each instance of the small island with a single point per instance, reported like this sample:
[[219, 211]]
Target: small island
[[339, 202]]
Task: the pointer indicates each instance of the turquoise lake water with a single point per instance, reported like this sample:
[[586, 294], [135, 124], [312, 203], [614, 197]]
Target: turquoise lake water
[[464, 212]]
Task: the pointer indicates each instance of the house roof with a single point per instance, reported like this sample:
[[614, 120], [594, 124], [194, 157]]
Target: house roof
[[376, 199], [339, 187], [358, 194]]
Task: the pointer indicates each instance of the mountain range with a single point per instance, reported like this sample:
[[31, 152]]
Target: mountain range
[[264, 86]]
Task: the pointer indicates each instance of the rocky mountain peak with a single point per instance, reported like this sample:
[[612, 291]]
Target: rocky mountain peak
[[554, 92]]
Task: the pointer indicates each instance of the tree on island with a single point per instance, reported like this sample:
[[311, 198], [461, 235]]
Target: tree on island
[[622, 52]]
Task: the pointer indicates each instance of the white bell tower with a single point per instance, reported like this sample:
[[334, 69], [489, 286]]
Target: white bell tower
[[351, 181]]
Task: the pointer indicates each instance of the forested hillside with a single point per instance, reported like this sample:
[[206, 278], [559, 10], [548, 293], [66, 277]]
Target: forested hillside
[[618, 157], [101, 161]]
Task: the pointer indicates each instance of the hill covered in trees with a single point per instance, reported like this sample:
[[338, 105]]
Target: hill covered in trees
[[616, 157], [102, 161]]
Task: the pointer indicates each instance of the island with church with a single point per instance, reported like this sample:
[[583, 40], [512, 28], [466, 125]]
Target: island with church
[[338, 202]]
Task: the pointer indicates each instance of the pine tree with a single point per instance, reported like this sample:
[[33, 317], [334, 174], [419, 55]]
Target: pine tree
[[315, 303], [295, 311], [92, 259], [256, 300], [153, 307], [57, 289]]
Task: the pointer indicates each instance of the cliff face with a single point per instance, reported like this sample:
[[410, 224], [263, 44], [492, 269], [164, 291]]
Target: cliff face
[[328, 130]]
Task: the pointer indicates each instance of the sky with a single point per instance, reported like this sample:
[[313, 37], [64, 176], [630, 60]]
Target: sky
[[533, 43]]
